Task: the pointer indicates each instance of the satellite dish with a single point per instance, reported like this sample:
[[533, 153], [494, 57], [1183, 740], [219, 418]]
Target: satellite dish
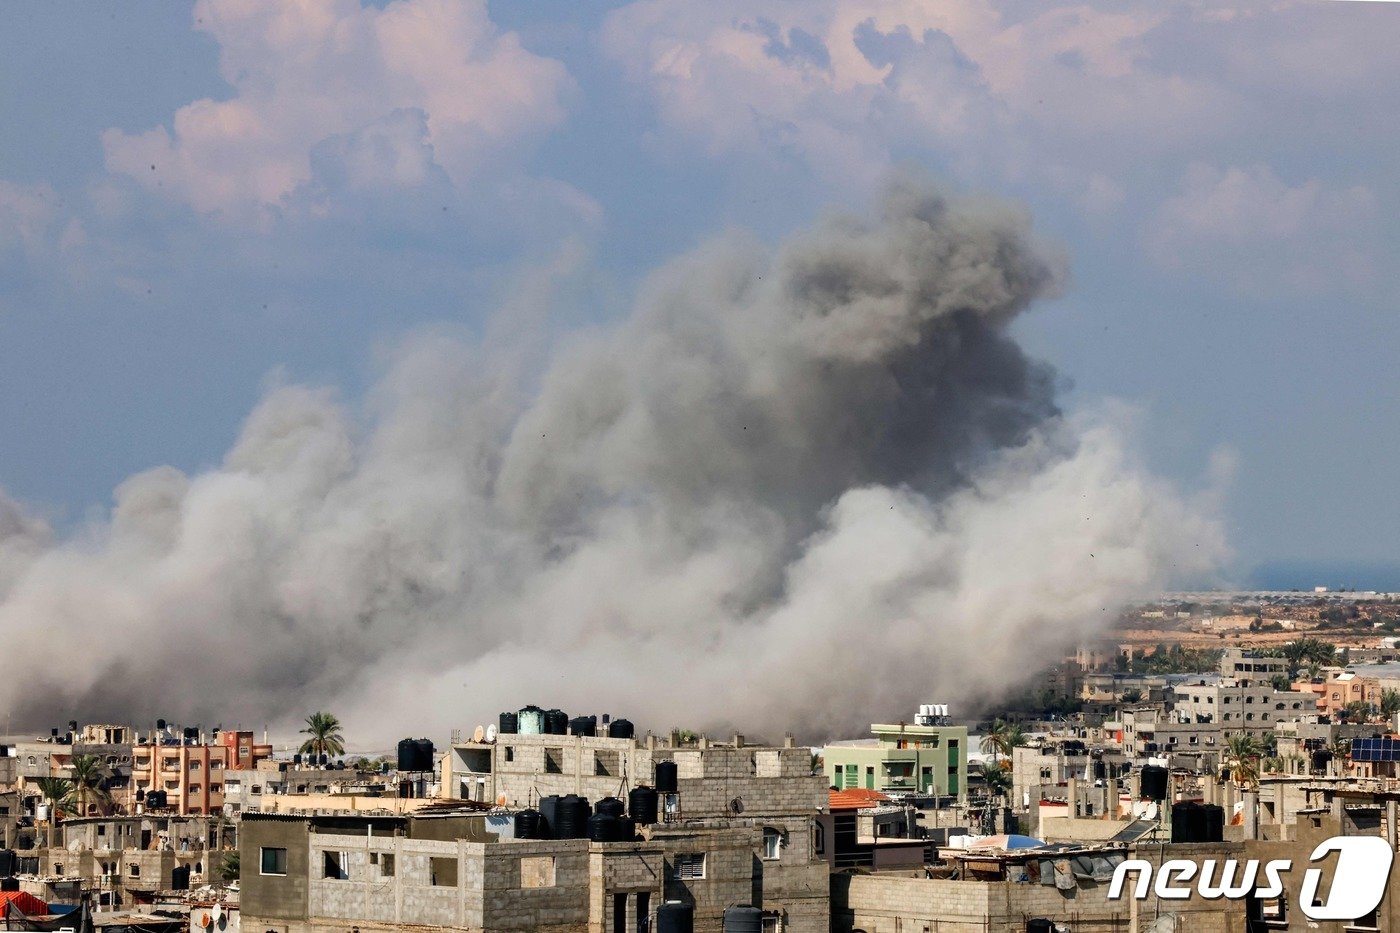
[[490, 733], [478, 733], [217, 913]]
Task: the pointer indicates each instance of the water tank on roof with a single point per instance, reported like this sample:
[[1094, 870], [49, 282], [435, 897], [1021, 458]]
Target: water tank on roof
[[531, 721], [573, 817], [641, 804], [602, 827], [583, 725], [411, 756], [743, 918], [1215, 823], [1154, 782], [510, 723], [296, 759], [611, 806], [549, 816], [620, 729], [626, 829], [527, 825], [666, 777], [425, 754], [1040, 925], [675, 917], [556, 722]]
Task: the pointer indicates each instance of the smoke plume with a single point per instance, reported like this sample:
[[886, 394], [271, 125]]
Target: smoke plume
[[803, 488]]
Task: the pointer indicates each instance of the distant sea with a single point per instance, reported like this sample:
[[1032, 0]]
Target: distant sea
[[1381, 576]]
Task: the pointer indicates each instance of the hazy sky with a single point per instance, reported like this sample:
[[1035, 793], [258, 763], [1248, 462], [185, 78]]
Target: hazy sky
[[198, 200]]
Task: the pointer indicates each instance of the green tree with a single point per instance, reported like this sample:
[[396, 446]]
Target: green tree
[[1390, 703], [997, 778], [1133, 695], [230, 866], [325, 737], [1001, 738], [59, 794], [1242, 754], [90, 784]]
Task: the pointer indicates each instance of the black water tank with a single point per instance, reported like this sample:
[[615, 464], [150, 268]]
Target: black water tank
[[556, 722], [549, 816], [641, 804], [583, 725], [509, 723], [9, 884], [742, 918], [666, 781], [527, 825], [1040, 925], [573, 817], [675, 917], [296, 759], [1215, 823], [620, 729], [602, 827], [408, 756], [1188, 822], [1154, 782], [425, 755], [160, 725], [611, 806], [626, 829], [326, 759]]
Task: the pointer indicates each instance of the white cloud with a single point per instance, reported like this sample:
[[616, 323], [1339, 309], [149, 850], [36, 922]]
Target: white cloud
[[419, 81], [1265, 236]]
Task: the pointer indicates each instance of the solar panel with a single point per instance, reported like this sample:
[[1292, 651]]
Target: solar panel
[[1386, 748]]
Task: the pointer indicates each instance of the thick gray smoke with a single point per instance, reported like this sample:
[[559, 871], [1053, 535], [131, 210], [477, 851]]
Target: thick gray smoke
[[795, 490]]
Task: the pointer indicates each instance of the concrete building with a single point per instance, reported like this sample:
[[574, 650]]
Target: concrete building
[[1339, 688], [191, 772], [1250, 707], [466, 872], [1246, 667], [902, 758], [122, 860]]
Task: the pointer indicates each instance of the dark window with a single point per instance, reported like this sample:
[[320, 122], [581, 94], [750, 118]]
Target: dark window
[[335, 865], [443, 872], [554, 761], [274, 861]]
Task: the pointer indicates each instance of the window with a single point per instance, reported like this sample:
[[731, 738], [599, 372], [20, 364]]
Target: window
[[195, 788], [510, 753], [335, 865], [554, 761], [274, 861], [818, 839], [772, 924], [1367, 922], [772, 842], [194, 765], [384, 861], [257, 788], [101, 829], [442, 872], [690, 866], [537, 871], [133, 870], [607, 763], [58, 869]]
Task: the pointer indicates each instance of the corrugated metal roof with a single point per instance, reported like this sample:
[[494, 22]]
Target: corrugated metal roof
[[855, 798]]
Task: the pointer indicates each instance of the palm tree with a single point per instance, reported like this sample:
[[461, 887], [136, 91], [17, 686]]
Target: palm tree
[[997, 778], [58, 792], [230, 867], [89, 783], [1242, 756], [1390, 703], [326, 739], [994, 739]]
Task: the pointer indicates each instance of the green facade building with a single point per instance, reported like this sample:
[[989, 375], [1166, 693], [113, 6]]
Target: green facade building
[[903, 759]]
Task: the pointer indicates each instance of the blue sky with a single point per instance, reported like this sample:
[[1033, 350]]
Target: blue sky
[[196, 201]]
